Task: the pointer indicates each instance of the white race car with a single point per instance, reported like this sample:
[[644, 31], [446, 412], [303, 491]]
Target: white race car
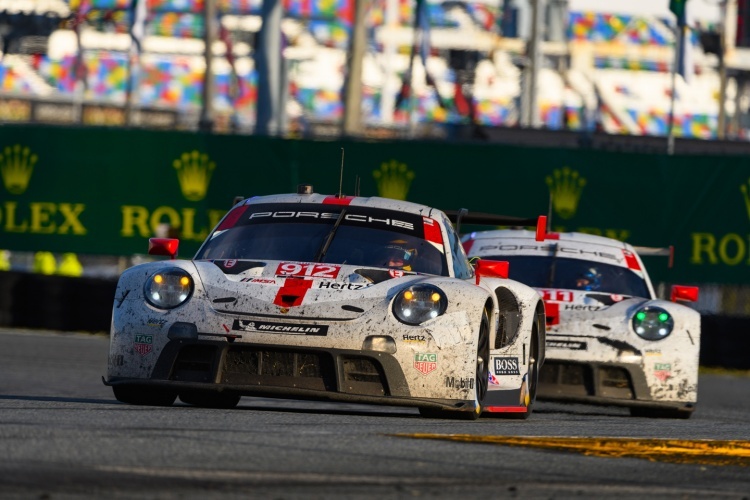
[[610, 341], [337, 298]]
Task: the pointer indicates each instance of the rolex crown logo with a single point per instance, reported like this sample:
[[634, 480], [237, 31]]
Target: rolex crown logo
[[745, 190], [393, 180], [565, 187], [194, 173], [16, 165]]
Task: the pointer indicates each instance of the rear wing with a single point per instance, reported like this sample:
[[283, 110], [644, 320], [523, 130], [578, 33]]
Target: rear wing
[[483, 218], [657, 252], [679, 292]]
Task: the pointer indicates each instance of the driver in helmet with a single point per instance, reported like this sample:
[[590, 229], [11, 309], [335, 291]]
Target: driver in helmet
[[591, 280], [396, 255]]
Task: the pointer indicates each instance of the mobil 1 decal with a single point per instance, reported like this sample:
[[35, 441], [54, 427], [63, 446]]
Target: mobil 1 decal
[[506, 366]]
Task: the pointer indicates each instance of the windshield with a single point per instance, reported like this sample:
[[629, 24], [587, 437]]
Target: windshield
[[573, 274], [364, 237]]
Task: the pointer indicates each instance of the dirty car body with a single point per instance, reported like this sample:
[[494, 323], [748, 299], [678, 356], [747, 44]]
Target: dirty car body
[[290, 297], [609, 339]]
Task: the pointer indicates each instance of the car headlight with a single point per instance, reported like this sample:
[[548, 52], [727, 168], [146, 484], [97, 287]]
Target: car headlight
[[418, 303], [168, 288], [653, 323]]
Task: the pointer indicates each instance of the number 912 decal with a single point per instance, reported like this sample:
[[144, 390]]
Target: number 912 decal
[[311, 270]]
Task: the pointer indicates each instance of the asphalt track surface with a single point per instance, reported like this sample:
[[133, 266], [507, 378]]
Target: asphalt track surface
[[64, 436]]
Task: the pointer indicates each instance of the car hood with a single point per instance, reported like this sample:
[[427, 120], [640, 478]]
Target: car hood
[[298, 289]]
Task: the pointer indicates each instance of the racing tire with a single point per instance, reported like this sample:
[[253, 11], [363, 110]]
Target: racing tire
[[677, 413], [532, 379], [143, 396], [206, 399], [480, 384]]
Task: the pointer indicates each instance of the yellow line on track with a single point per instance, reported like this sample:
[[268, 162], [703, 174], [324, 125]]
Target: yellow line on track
[[705, 452]]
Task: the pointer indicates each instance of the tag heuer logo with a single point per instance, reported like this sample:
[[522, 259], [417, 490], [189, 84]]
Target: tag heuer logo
[[425, 362], [143, 344]]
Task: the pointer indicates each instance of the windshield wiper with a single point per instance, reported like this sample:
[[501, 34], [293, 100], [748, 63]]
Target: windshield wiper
[[329, 238]]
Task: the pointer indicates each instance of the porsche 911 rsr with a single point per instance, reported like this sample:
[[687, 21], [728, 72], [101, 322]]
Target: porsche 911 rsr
[[335, 298], [610, 340]]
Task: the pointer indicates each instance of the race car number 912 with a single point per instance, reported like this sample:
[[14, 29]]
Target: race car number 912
[[312, 270]]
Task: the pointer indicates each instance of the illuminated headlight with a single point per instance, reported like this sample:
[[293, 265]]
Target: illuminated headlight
[[653, 323], [419, 303], [168, 288]]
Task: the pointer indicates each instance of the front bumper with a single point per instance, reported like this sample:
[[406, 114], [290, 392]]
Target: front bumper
[[614, 384], [284, 372]]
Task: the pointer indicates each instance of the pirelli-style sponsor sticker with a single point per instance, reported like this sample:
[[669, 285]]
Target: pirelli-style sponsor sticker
[[143, 344], [506, 366], [425, 362], [284, 328]]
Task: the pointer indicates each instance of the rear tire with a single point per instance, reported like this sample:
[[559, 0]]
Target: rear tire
[[481, 381], [144, 396], [208, 399], [532, 378]]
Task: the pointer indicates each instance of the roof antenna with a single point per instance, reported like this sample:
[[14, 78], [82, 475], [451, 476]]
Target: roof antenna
[[549, 214], [341, 176], [356, 185]]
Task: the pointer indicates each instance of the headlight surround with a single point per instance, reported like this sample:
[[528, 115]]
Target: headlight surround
[[168, 288], [419, 303], [652, 323]]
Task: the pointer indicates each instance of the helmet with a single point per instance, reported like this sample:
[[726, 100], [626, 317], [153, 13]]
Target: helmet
[[590, 279], [396, 254]]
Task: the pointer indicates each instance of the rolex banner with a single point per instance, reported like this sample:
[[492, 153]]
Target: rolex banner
[[106, 191]]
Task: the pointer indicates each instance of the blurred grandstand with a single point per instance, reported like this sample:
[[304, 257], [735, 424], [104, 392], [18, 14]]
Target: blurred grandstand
[[73, 61]]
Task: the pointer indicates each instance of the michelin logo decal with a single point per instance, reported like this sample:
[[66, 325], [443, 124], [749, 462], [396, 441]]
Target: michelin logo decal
[[286, 328]]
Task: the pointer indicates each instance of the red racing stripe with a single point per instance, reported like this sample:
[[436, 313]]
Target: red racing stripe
[[506, 409], [432, 231], [292, 292], [231, 219], [334, 200], [631, 260]]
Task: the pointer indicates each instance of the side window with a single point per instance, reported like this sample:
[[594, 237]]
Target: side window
[[461, 267]]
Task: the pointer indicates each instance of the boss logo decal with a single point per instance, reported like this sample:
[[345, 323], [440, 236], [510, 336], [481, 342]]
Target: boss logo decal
[[506, 366]]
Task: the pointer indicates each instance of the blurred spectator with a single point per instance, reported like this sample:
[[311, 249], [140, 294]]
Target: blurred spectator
[[4, 260], [70, 266], [44, 263]]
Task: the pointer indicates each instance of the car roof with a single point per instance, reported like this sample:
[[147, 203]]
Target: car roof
[[522, 235], [359, 201]]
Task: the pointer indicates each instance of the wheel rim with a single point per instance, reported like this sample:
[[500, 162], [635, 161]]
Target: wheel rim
[[533, 368], [482, 377]]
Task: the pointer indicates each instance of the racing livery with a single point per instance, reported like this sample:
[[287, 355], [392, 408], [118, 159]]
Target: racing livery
[[609, 339], [333, 298]]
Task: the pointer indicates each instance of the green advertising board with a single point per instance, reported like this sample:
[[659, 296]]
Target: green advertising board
[[106, 191]]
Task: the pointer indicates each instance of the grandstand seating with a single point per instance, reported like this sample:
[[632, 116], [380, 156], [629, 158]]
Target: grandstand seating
[[625, 59]]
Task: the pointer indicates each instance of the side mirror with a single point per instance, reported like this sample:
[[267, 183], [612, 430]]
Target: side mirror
[[684, 293], [163, 246], [491, 269]]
